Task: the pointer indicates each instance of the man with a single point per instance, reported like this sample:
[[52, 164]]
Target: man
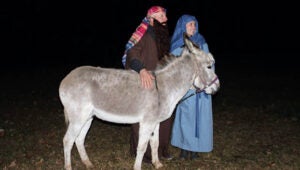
[[147, 45]]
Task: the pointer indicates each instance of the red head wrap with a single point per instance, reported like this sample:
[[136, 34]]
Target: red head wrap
[[155, 9]]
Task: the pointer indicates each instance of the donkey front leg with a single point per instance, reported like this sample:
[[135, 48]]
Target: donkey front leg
[[142, 146], [145, 132], [154, 143]]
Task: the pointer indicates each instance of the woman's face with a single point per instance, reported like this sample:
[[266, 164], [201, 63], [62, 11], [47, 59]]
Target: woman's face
[[191, 28]]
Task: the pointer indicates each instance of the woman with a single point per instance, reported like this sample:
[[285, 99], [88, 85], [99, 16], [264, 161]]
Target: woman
[[193, 125]]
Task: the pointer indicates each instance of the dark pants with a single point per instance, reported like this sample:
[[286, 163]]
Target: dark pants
[[164, 139]]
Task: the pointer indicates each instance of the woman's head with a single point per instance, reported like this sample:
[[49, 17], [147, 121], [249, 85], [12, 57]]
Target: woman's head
[[188, 24]]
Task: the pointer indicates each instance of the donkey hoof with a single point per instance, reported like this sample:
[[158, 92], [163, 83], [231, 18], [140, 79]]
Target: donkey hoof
[[68, 167], [158, 165], [88, 164], [90, 167]]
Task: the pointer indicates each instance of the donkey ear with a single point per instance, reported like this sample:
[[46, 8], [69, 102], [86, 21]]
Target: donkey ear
[[185, 36], [186, 39], [189, 44]]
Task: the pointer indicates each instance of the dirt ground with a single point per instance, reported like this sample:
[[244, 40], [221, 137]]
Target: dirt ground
[[256, 123]]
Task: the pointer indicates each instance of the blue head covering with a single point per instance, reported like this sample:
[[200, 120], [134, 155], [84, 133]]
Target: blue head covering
[[180, 29]]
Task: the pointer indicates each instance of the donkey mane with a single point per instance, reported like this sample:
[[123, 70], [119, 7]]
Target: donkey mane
[[167, 59]]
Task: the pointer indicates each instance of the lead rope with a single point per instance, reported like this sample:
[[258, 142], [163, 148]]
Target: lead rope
[[181, 100], [197, 117]]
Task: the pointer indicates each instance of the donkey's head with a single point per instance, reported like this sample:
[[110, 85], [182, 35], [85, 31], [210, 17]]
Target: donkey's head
[[205, 78]]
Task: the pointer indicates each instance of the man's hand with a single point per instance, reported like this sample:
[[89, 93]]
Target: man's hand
[[146, 78]]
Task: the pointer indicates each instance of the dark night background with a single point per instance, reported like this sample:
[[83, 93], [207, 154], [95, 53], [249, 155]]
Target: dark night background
[[255, 44], [57, 33]]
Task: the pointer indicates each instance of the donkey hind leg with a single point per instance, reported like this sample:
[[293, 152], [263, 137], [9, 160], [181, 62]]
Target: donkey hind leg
[[68, 141], [145, 131], [80, 144], [154, 143], [73, 131]]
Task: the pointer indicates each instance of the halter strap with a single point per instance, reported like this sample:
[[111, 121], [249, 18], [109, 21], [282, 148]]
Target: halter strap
[[153, 73], [212, 82], [198, 90]]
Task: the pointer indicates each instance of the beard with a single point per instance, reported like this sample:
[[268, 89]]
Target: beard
[[162, 38]]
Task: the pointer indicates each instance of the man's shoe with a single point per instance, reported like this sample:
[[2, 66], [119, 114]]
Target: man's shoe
[[167, 157]]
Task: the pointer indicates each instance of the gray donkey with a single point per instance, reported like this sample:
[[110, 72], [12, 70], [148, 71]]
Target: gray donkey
[[116, 95]]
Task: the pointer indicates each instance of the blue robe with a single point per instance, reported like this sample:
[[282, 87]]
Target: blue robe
[[193, 124]]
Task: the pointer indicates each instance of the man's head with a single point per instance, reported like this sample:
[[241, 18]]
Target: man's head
[[158, 13], [158, 20]]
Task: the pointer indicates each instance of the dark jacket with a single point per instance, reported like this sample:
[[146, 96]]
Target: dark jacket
[[145, 51]]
